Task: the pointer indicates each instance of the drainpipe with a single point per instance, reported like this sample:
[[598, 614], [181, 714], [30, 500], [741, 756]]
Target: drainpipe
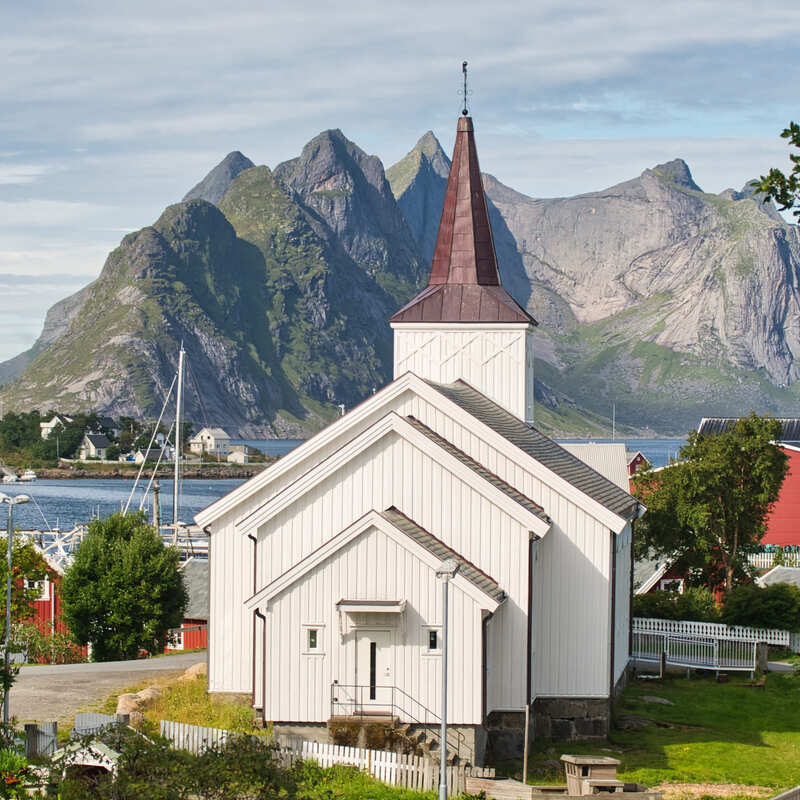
[[256, 613], [613, 616]]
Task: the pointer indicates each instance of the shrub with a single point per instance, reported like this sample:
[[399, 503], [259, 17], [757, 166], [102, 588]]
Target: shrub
[[56, 648], [14, 774], [775, 606], [696, 603]]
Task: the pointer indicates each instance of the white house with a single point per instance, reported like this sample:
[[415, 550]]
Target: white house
[[94, 445], [56, 421], [324, 600], [211, 440]]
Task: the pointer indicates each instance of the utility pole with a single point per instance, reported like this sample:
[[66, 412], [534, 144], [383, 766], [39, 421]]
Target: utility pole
[[156, 509], [175, 488], [12, 501], [446, 571]]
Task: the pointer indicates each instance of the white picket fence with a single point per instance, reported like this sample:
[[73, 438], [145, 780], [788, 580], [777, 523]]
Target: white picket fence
[[765, 560], [395, 769], [711, 630]]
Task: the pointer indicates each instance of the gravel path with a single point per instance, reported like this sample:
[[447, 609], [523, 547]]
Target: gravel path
[[57, 692]]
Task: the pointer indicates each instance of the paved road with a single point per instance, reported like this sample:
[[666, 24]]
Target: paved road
[[57, 692]]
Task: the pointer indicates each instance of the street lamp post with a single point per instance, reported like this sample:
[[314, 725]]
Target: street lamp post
[[12, 501], [446, 571]]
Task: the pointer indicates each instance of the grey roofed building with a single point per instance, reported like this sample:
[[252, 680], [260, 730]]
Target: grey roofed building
[[99, 440], [790, 427], [195, 579], [780, 575]]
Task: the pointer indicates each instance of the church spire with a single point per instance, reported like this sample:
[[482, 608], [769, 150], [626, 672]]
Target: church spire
[[464, 283]]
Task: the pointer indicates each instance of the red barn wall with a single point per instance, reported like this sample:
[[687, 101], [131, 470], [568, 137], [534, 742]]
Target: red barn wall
[[783, 522]]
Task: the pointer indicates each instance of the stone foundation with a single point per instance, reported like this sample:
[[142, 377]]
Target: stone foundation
[[567, 718], [381, 734], [558, 718], [506, 735]]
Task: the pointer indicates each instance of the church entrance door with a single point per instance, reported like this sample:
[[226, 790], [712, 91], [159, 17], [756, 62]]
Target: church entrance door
[[375, 670]]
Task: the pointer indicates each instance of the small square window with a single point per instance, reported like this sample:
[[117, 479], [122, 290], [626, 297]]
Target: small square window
[[433, 640], [312, 638]]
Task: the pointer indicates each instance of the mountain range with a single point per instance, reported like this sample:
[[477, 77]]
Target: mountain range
[[654, 297]]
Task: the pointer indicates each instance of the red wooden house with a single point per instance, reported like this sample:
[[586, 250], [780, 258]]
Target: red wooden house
[[193, 634], [783, 522]]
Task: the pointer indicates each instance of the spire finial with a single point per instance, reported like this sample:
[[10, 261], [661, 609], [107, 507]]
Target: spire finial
[[465, 112]]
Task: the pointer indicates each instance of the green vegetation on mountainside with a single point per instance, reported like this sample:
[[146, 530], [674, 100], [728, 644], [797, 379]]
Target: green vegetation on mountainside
[[321, 313]]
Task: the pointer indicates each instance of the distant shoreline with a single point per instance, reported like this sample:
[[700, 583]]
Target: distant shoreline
[[211, 472]]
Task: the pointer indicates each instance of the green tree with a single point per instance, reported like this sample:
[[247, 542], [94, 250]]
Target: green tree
[[708, 511], [123, 591], [776, 185], [775, 606]]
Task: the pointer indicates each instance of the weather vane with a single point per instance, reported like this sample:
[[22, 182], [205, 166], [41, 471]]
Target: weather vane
[[465, 112]]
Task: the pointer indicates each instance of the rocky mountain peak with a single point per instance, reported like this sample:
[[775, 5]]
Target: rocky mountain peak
[[344, 192], [216, 183], [677, 171]]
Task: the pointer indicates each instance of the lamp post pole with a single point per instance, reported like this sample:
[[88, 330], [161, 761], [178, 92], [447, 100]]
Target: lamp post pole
[[12, 501], [447, 570]]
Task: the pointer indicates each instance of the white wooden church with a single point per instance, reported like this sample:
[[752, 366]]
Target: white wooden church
[[324, 600]]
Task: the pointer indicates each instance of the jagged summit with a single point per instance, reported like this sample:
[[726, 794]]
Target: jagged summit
[[343, 188], [678, 172], [427, 155], [213, 187]]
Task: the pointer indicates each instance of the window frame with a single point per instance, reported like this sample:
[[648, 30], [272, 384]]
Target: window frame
[[305, 647], [426, 651]]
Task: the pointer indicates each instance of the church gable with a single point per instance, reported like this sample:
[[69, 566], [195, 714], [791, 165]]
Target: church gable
[[398, 463], [373, 583]]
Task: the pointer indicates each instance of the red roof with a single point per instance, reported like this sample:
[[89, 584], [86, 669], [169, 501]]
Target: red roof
[[464, 284]]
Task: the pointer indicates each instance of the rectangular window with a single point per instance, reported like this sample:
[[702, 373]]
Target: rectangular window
[[312, 641], [432, 640]]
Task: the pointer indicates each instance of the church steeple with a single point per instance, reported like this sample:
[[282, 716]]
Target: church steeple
[[464, 325], [464, 283]]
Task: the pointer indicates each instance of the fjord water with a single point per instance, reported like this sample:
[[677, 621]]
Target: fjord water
[[62, 503]]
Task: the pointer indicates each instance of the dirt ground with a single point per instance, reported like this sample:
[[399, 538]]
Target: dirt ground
[[675, 791], [46, 693]]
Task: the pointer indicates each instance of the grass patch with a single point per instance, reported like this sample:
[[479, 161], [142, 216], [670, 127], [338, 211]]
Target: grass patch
[[348, 783], [712, 734], [189, 701]]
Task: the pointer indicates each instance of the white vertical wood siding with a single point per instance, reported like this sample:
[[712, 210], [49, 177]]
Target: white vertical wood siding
[[394, 472], [572, 572], [230, 575], [230, 625], [622, 602], [495, 359], [371, 567]]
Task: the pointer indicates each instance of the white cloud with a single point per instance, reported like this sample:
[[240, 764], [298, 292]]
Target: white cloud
[[44, 213]]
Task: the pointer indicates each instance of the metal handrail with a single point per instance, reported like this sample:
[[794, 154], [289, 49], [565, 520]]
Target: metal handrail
[[459, 744]]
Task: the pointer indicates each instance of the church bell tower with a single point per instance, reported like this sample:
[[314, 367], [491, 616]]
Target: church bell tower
[[464, 325]]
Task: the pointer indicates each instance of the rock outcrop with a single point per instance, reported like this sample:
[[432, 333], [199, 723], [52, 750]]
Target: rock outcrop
[[213, 187]]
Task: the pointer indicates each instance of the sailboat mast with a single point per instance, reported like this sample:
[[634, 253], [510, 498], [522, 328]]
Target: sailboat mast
[[176, 482]]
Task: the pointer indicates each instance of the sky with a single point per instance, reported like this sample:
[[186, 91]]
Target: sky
[[111, 111]]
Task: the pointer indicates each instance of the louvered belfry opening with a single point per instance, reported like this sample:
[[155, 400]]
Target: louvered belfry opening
[[464, 283]]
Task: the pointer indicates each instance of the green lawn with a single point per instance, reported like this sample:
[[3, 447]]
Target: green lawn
[[714, 733]]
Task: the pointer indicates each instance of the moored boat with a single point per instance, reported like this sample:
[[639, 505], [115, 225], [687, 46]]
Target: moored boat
[[28, 475]]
